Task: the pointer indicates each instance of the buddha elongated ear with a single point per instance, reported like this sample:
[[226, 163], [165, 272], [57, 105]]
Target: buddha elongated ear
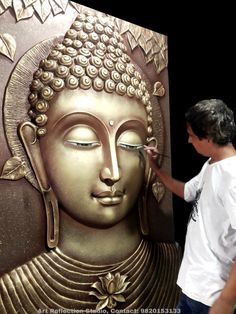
[[143, 214], [153, 144], [158, 189], [28, 136]]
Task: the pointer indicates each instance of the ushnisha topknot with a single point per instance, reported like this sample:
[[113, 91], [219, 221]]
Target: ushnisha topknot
[[91, 55]]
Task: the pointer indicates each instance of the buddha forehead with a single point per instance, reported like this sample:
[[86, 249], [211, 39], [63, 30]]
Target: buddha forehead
[[111, 109]]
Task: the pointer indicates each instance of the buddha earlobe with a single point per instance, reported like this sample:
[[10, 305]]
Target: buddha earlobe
[[143, 210], [28, 136], [158, 189]]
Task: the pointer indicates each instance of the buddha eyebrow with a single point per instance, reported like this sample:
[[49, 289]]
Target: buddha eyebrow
[[77, 116]]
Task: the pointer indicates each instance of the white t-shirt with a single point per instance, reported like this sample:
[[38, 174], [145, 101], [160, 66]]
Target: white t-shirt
[[210, 246]]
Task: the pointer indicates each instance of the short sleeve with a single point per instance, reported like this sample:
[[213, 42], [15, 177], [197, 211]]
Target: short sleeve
[[190, 189], [192, 186]]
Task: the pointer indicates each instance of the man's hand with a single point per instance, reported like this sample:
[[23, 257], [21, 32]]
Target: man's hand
[[152, 154]]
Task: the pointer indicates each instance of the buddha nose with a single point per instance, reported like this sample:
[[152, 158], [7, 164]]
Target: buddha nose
[[110, 172]]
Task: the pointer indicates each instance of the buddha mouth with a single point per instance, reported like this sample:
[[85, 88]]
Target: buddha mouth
[[109, 197]]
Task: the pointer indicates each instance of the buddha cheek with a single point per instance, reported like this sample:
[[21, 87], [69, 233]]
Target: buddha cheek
[[133, 189], [133, 176], [73, 187], [71, 174]]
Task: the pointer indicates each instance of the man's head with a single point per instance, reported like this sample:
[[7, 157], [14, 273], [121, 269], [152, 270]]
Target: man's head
[[212, 119]]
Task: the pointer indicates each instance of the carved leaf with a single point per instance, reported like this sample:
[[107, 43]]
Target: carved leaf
[[61, 3], [97, 285], [6, 3], [20, 11], [27, 3], [1, 9], [122, 25], [97, 295], [102, 304], [43, 9], [135, 30], [156, 48], [7, 45], [148, 47], [132, 42], [13, 169], [75, 5], [56, 9], [147, 34], [159, 89], [142, 43], [119, 298], [158, 190]]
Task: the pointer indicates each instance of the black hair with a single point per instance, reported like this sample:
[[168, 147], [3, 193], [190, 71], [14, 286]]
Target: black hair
[[213, 119]]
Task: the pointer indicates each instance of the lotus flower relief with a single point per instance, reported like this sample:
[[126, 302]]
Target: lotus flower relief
[[109, 290]]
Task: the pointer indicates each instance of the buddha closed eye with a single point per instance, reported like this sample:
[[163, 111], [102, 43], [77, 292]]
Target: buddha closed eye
[[84, 137], [130, 140]]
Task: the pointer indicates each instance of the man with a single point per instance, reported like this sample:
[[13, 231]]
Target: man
[[207, 274]]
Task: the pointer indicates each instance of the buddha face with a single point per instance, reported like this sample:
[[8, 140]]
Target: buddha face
[[91, 155]]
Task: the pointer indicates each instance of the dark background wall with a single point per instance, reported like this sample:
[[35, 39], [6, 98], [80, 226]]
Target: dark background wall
[[202, 57]]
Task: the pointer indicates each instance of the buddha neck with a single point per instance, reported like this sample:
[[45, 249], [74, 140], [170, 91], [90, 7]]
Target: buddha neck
[[99, 246]]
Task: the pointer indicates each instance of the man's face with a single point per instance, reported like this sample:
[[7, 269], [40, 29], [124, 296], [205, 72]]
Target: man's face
[[201, 145]]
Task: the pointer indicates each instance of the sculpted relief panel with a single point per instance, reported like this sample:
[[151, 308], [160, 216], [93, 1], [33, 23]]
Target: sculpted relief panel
[[84, 224]]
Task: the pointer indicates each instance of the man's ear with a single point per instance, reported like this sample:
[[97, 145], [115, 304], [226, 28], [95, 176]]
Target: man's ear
[[27, 133]]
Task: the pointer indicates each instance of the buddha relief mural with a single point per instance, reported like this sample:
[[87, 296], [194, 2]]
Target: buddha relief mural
[[84, 223]]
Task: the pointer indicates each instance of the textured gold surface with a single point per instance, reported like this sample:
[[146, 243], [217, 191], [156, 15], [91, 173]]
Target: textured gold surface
[[53, 280]]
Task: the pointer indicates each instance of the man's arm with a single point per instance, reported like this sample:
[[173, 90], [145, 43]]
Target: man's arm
[[175, 186], [227, 299]]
